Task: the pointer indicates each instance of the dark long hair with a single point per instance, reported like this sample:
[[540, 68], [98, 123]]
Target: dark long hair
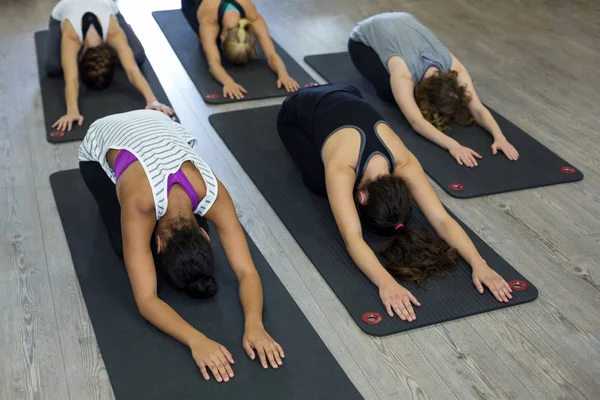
[[187, 262], [412, 254], [443, 101], [97, 67]]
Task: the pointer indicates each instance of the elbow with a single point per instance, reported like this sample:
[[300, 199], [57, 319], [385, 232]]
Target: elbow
[[145, 306], [417, 123]]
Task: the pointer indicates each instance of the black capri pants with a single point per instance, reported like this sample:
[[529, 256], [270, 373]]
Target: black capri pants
[[53, 52], [367, 62], [104, 192]]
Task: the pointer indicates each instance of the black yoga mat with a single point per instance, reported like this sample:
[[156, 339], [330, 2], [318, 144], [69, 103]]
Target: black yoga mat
[[256, 76], [144, 363], [119, 97], [252, 137], [537, 165]]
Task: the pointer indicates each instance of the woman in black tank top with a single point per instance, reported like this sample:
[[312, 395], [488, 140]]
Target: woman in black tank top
[[235, 26], [346, 151]]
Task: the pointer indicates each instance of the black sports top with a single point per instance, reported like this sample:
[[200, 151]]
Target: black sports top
[[323, 110]]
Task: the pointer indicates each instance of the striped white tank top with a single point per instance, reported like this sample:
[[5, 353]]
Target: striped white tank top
[[160, 145]]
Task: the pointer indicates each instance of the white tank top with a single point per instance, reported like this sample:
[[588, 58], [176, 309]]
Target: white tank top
[[159, 144], [73, 10]]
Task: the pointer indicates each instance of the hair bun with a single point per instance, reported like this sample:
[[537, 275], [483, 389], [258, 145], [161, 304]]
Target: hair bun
[[203, 288]]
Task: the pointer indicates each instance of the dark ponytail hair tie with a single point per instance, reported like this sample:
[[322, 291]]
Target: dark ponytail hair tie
[[398, 226]]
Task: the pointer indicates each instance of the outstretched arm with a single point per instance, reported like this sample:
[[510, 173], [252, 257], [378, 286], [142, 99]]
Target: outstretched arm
[[340, 180], [223, 215], [208, 35], [69, 52], [403, 89], [275, 62], [413, 175], [482, 115], [118, 41], [138, 225]]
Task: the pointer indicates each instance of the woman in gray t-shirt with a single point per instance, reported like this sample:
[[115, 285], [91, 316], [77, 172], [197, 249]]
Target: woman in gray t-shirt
[[407, 63]]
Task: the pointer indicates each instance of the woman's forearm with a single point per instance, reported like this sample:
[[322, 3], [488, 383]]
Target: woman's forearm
[[277, 65], [162, 316], [251, 296], [367, 261], [486, 120], [456, 237], [72, 96], [219, 73], [427, 130]]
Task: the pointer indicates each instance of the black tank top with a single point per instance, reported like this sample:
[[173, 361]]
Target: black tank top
[[88, 20], [323, 110], [223, 7]]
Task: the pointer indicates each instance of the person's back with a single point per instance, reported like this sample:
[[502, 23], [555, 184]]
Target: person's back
[[401, 34], [159, 144]]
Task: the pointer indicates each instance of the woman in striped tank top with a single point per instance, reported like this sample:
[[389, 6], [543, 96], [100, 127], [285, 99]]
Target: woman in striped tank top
[[153, 193]]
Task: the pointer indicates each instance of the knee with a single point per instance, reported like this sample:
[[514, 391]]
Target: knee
[[140, 55], [53, 67]]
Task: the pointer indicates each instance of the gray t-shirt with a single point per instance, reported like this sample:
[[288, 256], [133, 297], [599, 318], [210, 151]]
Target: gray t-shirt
[[401, 34]]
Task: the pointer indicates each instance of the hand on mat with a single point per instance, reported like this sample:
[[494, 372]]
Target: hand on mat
[[234, 91], [210, 354], [288, 83], [508, 149], [397, 298], [65, 123], [158, 106], [464, 155], [484, 275], [257, 340]]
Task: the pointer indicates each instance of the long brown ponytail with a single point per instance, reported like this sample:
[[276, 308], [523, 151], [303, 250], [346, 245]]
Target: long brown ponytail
[[411, 254], [239, 46]]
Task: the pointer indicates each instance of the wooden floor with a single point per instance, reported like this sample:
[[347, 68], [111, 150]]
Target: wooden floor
[[536, 62]]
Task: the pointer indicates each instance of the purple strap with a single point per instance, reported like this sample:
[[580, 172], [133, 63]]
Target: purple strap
[[125, 159], [180, 178]]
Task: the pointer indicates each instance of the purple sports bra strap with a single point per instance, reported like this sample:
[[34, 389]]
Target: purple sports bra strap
[[124, 159], [180, 178]]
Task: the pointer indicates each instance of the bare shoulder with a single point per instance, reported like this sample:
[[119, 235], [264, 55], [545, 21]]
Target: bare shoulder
[[457, 65], [394, 144], [134, 191], [114, 29], [252, 13], [398, 68], [341, 148], [68, 31]]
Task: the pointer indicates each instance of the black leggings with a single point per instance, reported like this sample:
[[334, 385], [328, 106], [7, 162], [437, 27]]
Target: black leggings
[[190, 11], [301, 147], [104, 192], [53, 52], [367, 62]]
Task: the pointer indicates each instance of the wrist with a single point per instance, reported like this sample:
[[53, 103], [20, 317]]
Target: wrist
[[195, 339], [283, 75], [452, 144], [385, 280], [253, 324], [151, 101], [478, 264]]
